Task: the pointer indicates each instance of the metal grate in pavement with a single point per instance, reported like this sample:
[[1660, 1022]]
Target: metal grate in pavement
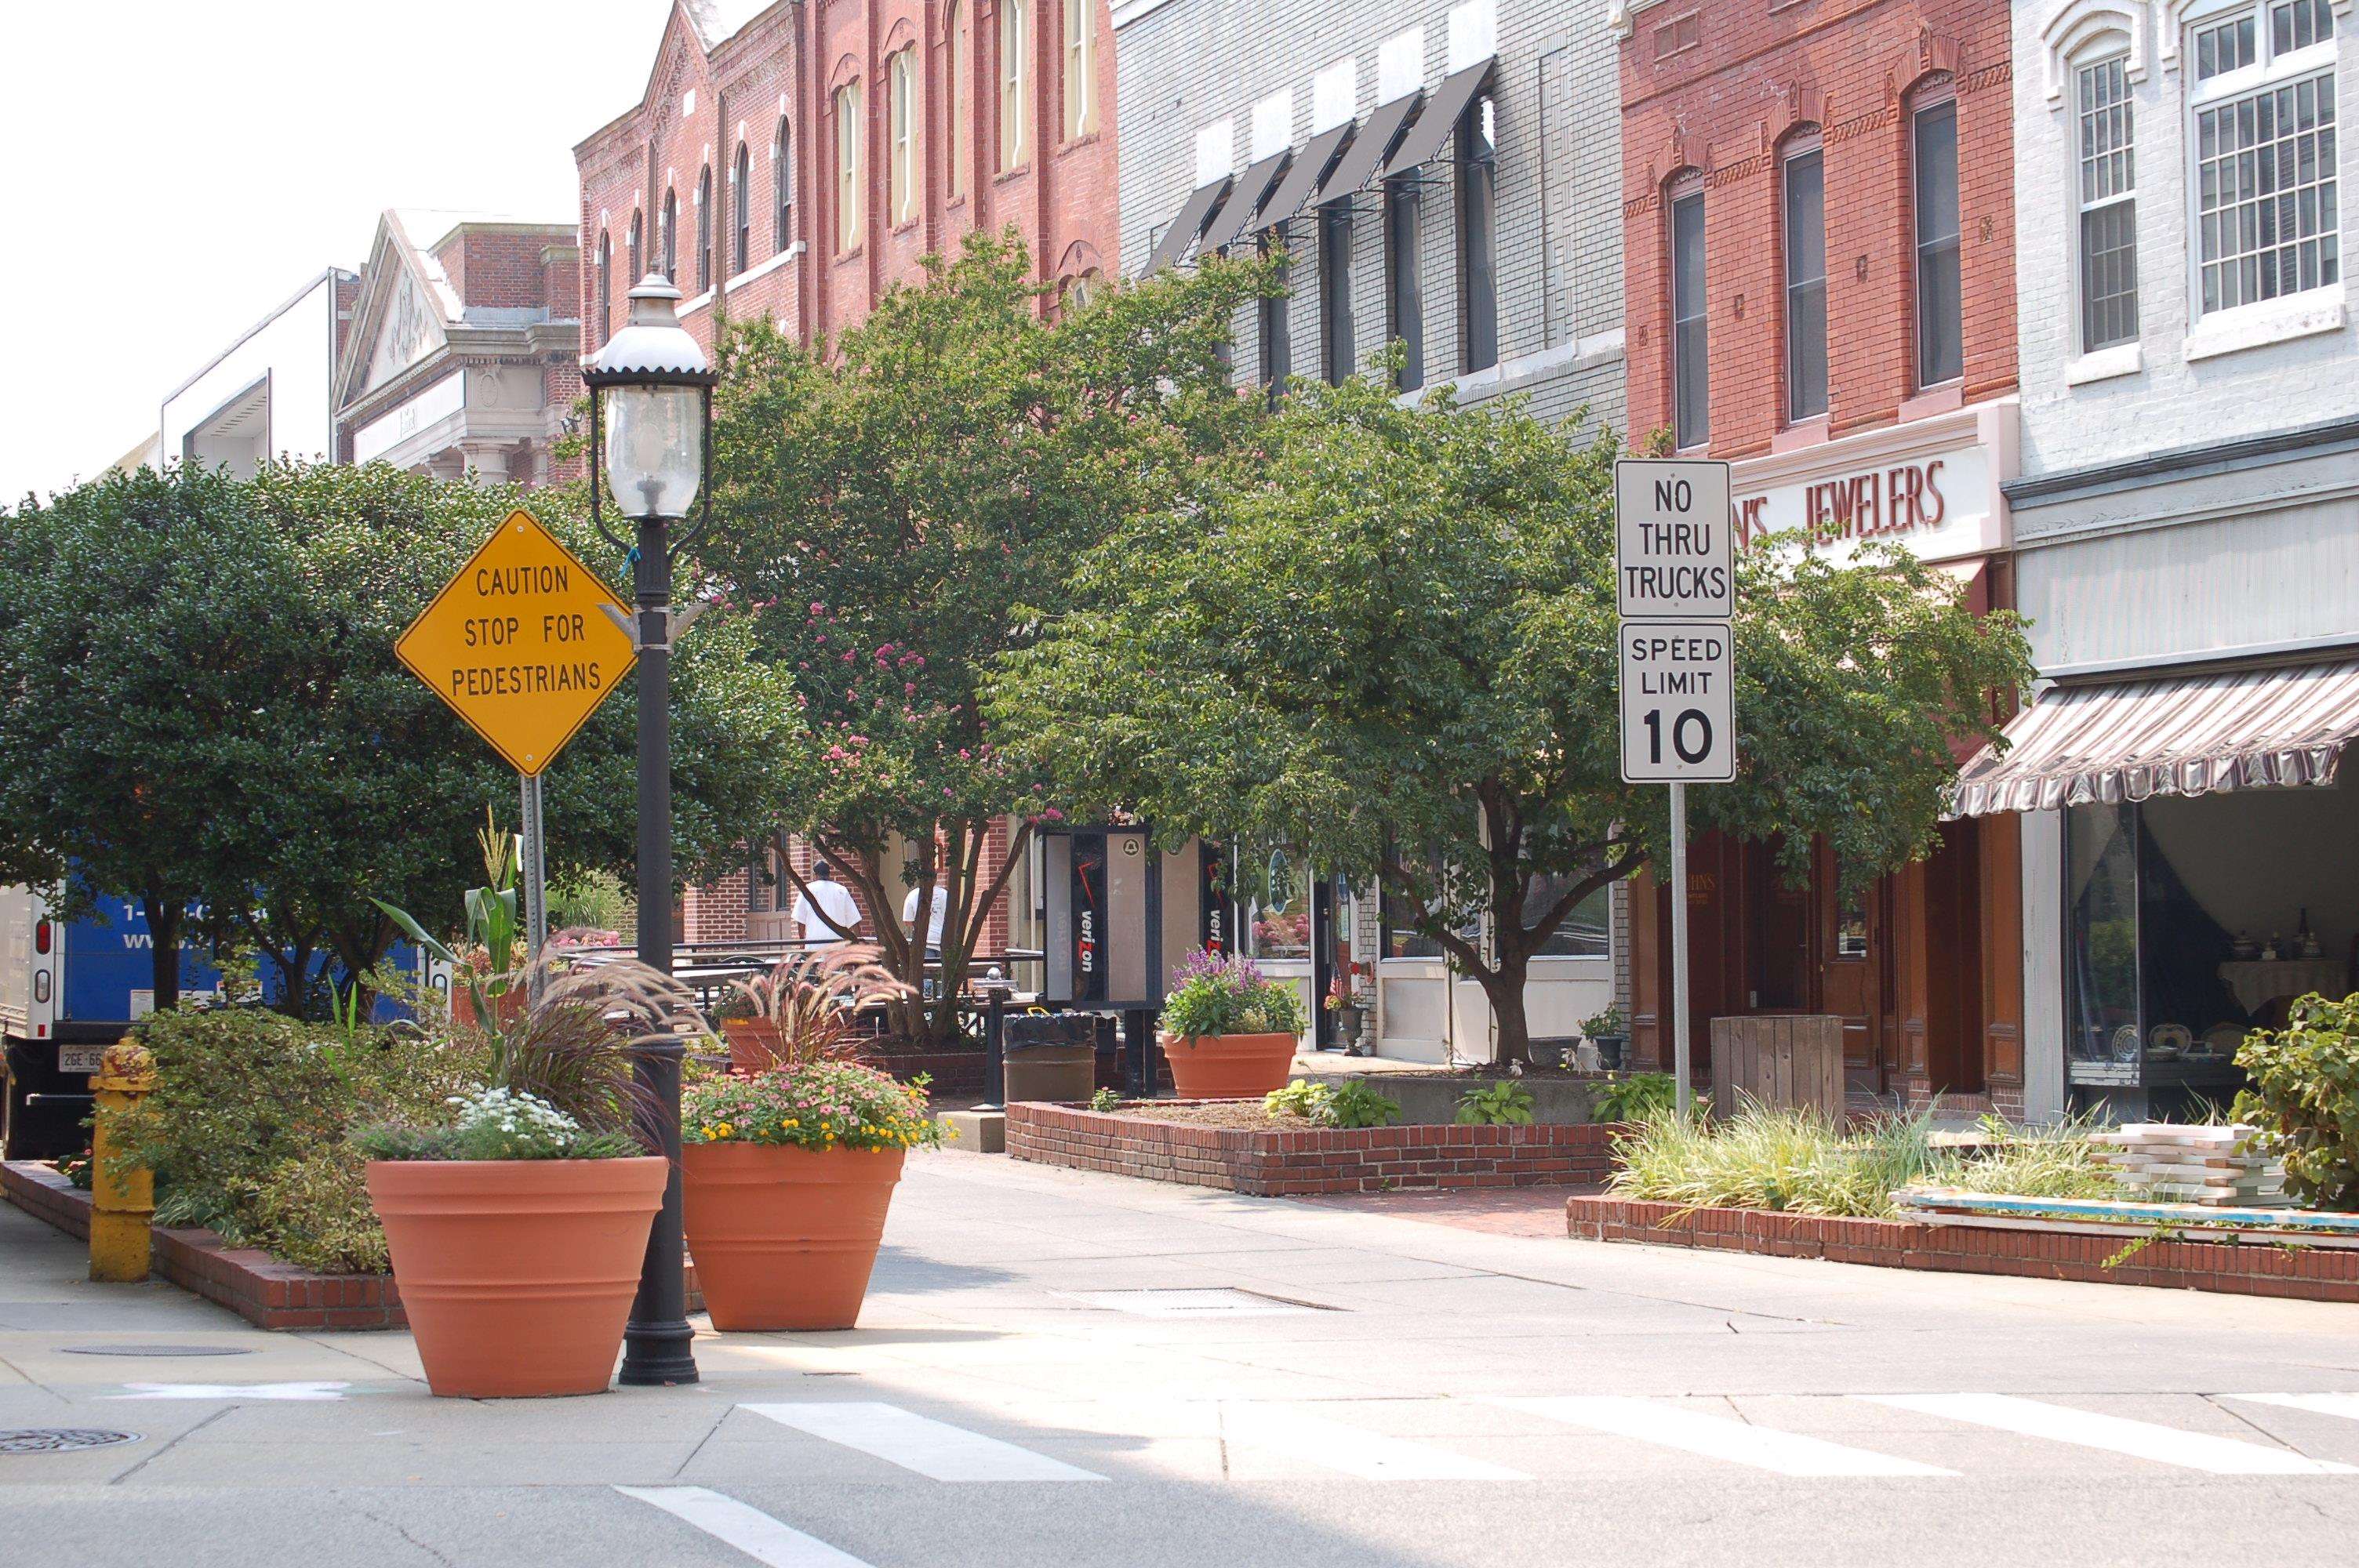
[[59, 1438], [1219, 1300], [158, 1350]]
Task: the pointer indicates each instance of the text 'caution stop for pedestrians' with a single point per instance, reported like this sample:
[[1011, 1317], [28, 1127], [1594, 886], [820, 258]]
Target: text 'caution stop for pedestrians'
[[521, 644], [1678, 714]]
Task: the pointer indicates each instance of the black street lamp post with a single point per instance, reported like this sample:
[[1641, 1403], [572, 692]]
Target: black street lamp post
[[650, 441]]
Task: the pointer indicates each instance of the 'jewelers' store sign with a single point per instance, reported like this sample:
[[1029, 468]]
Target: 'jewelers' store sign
[[1938, 503]]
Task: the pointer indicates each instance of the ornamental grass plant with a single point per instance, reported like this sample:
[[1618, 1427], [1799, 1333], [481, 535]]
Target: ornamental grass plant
[[1802, 1163]]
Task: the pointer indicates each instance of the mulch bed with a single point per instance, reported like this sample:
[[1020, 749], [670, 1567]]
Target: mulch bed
[[1215, 1113]]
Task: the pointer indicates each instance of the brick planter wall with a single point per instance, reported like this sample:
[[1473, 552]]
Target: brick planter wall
[[260, 1289], [2252, 1269], [1280, 1164]]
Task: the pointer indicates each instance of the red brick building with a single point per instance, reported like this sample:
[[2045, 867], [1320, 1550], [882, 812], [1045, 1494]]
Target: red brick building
[[797, 160], [1818, 202]]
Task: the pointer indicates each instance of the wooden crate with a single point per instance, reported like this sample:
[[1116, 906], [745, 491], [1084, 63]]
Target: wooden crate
[[1790, 1060]]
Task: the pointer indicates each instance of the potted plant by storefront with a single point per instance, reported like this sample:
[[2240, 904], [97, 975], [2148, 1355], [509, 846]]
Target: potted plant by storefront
[[787, 1172], [518, 1223], [1610, 1034], [1228, 1031], [815, 998]]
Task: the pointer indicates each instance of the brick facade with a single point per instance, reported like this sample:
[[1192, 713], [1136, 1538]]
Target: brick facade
[[1723, 109]]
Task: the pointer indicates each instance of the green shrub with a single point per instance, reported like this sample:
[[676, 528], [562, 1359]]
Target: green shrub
[[1311, 1102], [315, 1213], [1501, 1104], [1803, 1163], [2304, 1095], [1357, 1105], [1634, 1097]]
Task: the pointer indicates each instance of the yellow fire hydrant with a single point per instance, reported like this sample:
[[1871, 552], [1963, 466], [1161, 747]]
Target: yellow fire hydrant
[[123, 1198]]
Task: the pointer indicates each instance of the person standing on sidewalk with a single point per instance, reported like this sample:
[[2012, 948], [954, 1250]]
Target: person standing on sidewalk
[[824, 901]]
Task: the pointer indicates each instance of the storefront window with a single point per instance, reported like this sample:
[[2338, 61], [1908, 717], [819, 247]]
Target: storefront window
[[1276, 893], [1584, 933], [2194, 919]]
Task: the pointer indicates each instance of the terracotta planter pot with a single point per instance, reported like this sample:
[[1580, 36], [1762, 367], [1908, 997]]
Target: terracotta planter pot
[[753, 1044], [516, 1274], [1228, 1067], [784, 1237]]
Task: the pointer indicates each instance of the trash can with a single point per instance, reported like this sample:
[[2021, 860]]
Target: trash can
[[1050, 1055]]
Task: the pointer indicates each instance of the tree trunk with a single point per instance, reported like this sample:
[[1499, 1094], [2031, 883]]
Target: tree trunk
[[163, 949], [1504, 989]]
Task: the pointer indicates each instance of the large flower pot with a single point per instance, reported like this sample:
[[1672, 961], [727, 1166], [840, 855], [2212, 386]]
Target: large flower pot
[[784, 1237], [1228, 1067], [516, 1274], [753, 1044]]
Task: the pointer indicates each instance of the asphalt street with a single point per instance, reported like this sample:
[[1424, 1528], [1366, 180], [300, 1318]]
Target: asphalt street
[[1071, 1370]]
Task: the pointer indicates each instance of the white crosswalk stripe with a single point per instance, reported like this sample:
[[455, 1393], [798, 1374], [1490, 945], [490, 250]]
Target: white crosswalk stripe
[[2118, 1434], [2343, 1405], [1352, 1450], [749, 1530], [1669, 1425], [932, 1448]]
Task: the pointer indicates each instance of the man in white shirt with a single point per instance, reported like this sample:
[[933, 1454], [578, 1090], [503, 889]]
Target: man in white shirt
[[933, 920], [824, 897]]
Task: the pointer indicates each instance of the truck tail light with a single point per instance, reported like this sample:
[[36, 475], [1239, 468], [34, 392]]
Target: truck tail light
[[41, 984], [40, 936]]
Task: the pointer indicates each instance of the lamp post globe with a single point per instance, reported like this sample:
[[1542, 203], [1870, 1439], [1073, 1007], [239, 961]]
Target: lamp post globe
[[650, 390]]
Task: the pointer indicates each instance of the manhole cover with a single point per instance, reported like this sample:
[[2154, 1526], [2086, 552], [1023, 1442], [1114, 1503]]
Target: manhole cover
[[158, 1350], [59, 1439], [1213, 1301]]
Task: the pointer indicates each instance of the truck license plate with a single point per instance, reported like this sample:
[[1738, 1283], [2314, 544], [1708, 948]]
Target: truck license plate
[[80, 1058]]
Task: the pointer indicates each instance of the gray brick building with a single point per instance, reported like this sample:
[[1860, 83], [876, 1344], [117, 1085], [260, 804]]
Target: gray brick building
[[1478, 140], [1209, 89], [2187, 536]]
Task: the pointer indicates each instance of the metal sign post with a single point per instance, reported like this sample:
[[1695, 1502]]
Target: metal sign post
[[535, 877], [1675, 586]]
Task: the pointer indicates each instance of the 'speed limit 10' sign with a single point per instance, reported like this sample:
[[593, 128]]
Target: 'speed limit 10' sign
[[1675, 582], [1678, 715]]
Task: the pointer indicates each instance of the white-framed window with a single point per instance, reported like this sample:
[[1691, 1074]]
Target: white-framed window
[[1940, 304], [851, 175], [782, 186], [1803, 190], [901, 177], [741, 214], [2107, 194], [955, 69], [1014, 82], [2260, 105], [1080, 70], [1690, 343]]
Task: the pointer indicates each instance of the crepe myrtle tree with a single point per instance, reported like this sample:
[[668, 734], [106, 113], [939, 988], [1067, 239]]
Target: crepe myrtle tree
[[1391, 644], [215, 716], [906, 507]]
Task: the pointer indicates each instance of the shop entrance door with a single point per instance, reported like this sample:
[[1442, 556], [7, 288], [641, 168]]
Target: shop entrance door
[[1853, 941]]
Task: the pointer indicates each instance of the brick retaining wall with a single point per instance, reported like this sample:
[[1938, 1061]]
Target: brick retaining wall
[[259, 1287], [1283, 1163], [2249, 1268]]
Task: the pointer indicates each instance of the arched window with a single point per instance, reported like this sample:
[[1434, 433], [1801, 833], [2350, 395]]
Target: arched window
[[638, 254], [1690, 340], [1014, 82], [782, 184], [955, 68], [669, 239], [605, 286], [740, 189], [1081, 69], [901, 106], [851, 169], [704, 228]]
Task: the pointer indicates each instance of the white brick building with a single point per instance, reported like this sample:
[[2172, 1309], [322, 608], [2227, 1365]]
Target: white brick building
[[2187, 529], [1443, 174]]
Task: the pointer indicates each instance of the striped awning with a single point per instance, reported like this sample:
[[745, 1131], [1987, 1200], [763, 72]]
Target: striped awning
[[2082, 745]]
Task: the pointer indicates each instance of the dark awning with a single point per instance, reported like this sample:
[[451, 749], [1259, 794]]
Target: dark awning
[[2286, 724], [1302, 175], [1244, 200], [1426, 138], [1185, 226], [1373, 141]]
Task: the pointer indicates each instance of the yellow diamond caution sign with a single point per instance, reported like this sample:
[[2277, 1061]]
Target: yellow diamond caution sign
[[518, 643]]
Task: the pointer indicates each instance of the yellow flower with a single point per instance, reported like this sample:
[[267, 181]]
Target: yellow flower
[[726, 1130]]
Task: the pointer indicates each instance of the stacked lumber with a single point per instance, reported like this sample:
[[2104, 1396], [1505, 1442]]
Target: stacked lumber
[[2164, 1162]]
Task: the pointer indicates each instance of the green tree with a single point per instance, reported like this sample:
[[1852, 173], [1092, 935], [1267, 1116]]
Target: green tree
[[1392, 644], [902, 510], [275, 759]]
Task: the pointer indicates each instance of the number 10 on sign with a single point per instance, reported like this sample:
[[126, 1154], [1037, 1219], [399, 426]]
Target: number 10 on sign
[[1679, 711]]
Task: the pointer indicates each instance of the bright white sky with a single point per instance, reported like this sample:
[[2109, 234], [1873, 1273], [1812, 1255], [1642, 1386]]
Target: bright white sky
[[174, 170]]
